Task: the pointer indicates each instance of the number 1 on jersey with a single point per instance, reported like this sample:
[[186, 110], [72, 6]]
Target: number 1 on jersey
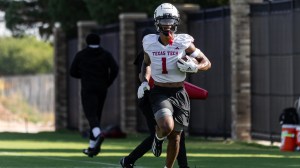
[[164, 65]]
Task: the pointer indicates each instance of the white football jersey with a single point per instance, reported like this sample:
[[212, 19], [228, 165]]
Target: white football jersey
[[164, 58]]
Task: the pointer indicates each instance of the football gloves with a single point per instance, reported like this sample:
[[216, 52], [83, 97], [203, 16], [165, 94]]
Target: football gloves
[[142, 88], [188, 65]]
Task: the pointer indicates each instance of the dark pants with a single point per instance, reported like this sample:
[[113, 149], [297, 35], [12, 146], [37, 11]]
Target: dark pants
[[92, 103], [146, 145]]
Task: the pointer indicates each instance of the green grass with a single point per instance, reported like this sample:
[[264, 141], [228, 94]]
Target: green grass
[[63, 150]]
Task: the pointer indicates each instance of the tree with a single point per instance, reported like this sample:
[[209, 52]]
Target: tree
[[107, 11], [24, 14], [4, 4], [25, 55], [212, 3], [68, 13]]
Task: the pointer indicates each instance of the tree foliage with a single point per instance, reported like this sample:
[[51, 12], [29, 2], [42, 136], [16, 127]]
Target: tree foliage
[[25, 55], [210, 3], [23, 14], [107, 11], [68, 13]]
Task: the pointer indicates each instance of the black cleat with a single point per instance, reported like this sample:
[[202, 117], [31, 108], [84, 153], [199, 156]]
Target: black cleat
[[91, 152], [157, 147], [124, 164]]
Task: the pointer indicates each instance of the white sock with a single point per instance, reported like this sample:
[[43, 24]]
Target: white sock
[[92, 143], [96, 131], [161, 139]]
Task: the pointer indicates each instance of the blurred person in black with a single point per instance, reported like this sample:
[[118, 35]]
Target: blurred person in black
[[145, 106], [97, 69]]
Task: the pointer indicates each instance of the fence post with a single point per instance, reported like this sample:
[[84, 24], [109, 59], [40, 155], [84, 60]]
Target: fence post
[[60, 50], [240, 69], [127, 70]]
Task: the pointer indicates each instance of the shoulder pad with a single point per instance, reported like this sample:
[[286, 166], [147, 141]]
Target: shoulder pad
[[149, 39], [184, 40]]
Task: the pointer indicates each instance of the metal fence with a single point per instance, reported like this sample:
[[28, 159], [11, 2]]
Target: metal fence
[[274, 64], [211, 30]]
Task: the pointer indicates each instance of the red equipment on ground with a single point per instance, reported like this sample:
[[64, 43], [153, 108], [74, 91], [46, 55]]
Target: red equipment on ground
[[193, 91]]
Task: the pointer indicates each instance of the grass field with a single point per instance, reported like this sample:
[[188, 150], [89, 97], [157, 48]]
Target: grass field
[[63, 150]]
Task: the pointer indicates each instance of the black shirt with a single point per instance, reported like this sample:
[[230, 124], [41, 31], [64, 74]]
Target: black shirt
[[95, 67]]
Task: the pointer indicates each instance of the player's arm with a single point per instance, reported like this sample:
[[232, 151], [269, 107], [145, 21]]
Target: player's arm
[[204, 63], [146, 70], [144, 76], [74, 72]]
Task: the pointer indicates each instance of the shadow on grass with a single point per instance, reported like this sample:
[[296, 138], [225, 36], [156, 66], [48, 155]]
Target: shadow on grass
[[43, 136]]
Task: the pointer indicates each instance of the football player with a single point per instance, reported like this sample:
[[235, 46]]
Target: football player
[[169, 100], [145, 106]]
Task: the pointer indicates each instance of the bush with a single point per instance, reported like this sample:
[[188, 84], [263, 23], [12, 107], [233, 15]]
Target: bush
[[25, 55]]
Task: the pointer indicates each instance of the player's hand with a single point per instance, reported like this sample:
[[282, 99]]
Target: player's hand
[[187, 65], [142, 88]]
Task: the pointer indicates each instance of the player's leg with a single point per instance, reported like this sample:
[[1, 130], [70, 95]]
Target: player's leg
[[138, 152], [181, 114], [165, 125], [173, 148], [163, 111], [144, 106], [101, 100], [181, 157], [96, 132], [90, 103], [145, 146]]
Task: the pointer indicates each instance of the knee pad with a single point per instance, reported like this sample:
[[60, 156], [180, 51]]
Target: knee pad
[[162, 113]]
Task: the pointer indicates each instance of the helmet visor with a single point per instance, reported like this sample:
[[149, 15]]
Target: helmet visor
[[167, 22]]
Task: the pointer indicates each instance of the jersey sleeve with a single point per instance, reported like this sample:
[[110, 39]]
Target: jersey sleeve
[[148, 40], [184, 40]]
